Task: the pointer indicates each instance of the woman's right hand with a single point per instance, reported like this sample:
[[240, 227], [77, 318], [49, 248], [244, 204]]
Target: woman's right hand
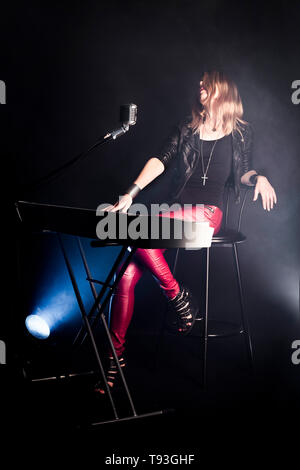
[[122, 205]]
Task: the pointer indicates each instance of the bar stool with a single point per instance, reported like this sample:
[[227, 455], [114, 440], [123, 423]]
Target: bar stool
[[226, 238]]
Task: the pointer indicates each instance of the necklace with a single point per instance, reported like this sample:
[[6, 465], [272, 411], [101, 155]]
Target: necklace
[[204, 177]]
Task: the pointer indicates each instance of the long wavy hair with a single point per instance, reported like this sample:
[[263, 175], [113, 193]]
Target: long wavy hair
[[227, 108]]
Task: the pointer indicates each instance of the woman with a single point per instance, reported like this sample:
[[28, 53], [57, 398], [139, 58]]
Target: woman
[[207, 149]]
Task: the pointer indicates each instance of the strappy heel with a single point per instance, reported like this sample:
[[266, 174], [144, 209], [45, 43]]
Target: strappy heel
[[112, 375], [183, 310]]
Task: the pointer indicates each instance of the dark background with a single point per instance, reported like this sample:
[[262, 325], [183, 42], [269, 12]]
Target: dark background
[[68, 66]]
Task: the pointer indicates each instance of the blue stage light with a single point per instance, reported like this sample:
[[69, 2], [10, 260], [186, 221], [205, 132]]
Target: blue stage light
[[54, 310], [37, 326], [54, 305]]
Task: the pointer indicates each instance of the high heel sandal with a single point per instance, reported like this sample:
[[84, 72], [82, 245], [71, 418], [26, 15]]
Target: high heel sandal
[[112, 375], [185, 308]]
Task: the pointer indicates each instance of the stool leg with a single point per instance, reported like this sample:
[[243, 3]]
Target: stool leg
[[206, 320], [245, 324]]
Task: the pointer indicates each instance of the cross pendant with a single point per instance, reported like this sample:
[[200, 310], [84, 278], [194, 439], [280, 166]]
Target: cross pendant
[[204, 178]]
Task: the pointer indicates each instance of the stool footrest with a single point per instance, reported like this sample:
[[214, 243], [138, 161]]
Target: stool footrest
[[216, 329]]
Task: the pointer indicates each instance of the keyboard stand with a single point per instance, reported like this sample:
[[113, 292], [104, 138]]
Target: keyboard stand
[[88, 325]]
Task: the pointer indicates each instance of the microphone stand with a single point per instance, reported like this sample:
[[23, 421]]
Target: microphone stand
[[58, 171]]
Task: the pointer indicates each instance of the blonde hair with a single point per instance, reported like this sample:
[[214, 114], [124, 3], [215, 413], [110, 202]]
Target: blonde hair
[[227, 107]]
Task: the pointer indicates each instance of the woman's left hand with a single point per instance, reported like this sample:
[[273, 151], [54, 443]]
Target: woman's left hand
[[267, 192]]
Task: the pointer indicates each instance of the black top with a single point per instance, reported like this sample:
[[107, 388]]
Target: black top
[[217, 174]]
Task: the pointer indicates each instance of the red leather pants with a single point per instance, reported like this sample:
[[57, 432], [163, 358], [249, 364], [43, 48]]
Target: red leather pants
[[152, 259]]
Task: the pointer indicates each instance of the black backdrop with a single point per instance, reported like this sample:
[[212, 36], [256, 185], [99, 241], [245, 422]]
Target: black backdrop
[[69, 65]]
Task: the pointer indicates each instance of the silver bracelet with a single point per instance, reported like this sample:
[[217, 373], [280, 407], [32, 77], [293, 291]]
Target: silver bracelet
[[133, 190]]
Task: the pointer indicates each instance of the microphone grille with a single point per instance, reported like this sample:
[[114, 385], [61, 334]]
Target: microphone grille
[[128, 114]]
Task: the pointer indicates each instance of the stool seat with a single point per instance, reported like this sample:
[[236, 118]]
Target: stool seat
[[228, 237]]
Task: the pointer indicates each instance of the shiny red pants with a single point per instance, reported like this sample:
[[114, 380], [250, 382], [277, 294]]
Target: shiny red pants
[[153, 260]]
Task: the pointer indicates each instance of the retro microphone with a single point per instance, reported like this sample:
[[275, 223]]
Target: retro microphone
[[128, 116], [128, 113]]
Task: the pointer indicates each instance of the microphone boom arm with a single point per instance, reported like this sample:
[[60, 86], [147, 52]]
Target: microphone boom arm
[[58, 171]]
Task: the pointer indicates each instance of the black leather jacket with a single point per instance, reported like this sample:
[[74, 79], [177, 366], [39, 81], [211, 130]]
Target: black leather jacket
[[180, 146]]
